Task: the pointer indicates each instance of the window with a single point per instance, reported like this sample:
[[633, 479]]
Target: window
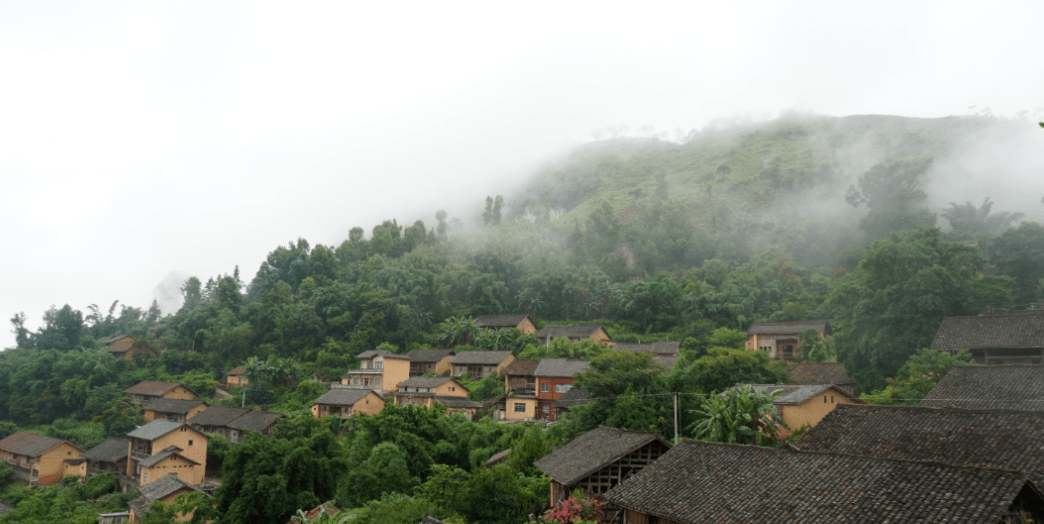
[[547, 409], [190, 442], [562, 388], [520, 407], [145, 478], [831, 399], [824, 399], [544, 388]]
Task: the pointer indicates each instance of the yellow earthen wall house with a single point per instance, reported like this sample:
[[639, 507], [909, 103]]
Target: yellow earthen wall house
[[805, 404], [75, 467], [180, 392], [519, 408], [186, 470], [345, 402], [193, 445]]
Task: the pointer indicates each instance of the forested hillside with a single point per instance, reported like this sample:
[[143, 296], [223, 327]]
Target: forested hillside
[[787, 220]]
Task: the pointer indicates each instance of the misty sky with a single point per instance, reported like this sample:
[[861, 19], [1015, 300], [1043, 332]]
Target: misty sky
[[141, 140]]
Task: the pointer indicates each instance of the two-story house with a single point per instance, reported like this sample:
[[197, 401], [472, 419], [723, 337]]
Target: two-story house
[[478, 364], [162, 447], [379, 370], [576, 333], [148, 390], [428, 391], [783, 340], [523, 323], [173, 409], [345, 402], [554, 378], [39, 459], [520, 376], [424, 361]]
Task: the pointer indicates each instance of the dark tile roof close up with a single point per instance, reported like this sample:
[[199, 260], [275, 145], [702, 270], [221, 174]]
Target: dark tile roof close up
[[591, 451], [1018, 387], [1025, 331]]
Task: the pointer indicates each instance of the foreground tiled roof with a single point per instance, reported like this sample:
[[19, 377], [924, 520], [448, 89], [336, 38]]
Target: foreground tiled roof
[[573, 397], [560, 367], [488, 358], [1018, 387], [791, 327], [820, 373], [217, 416], [664, 347], [28, 444], [794, 394], [112, 450], [996, 439], [499, 321], [156, 490], [342, 396], [592, 451], [1024, 331], [154, 388], [172, 405], [521, 367], [255, 420], [568, 331], [699, 482], [429, 355]]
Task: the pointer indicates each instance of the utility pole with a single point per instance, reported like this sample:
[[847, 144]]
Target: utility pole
[[676, 393], [243, 405]]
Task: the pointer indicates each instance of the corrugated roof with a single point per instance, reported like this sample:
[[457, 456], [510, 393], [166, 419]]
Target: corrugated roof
[[489, 358], [994, 439], [255, 420], [112, 450], [343, 396], [29, 444], [1025, 331], [790, 327], [429, 355], [698, 482], [663, 347], [794, 394], [154, 388], [1018, 387], [521, 367], [592, 451], [172, 405], [500, 321], [568, 331], [820, 373], [560, 367], [217, 416]]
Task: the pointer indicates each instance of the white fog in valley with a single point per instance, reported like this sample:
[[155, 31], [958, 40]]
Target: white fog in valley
[[145, 142]]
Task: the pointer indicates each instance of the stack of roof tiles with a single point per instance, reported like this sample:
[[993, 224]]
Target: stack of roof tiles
[[1017, 387]]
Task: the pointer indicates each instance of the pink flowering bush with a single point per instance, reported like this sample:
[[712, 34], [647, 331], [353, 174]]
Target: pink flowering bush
[[574, 510]]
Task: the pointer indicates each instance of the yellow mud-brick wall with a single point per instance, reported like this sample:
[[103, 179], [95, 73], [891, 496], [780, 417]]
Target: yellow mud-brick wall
[[186, 471], [371, 404], [180, 392], [443, 366], [52, 462], [315, 410], [169, 499], [395, 370], [80, 470], [509, 408], [751, 344], [504, 364], [602, 337], [180, 437], [814, 409], [196, 411], [450, 388], [527, 326]]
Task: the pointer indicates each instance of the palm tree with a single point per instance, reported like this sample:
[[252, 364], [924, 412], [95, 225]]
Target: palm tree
[[742, 415]]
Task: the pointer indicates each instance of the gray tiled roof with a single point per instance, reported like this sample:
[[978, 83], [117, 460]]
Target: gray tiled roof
[[156, 429], [663, 347], [573, 397], [457, 402], [820, 373], [568, 331], [172, 405], [711, 482], [163, 455], [429, 355], [791, 327], [343, 396], [158, 489], [217, 416], [522, 367], [425, 382], [667, 361], [373, 353], [255, 420], [1024, 331], [592, 451], [797, 393], [995, 439], [488, 358], [499, 321], [560, 367], [112, 450], [1018, 387], [154, 388], [497, 458], [29, 444]]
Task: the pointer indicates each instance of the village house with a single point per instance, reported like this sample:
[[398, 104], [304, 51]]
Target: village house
[[519, 377], [1018, 387], [108, 457], [165, 489], [700, 482], [571, 398], [122, 348], [478, 364], [237, 377], [380, 370], [173, 409], [1015, 338], [783, 340], [183, 450], [38, 459], [254, 420], [554, 378], [428, 391], [982, 438], [799, 405], [148, 390], [599, 460], [345, 402], [823, 373], [424, 361], [523, 323], [575, 333], [667, 348], [215, 419]]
